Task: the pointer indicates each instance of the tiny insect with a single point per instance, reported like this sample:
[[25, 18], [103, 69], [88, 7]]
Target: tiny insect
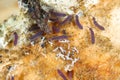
[[61, 74], [15, 38], [77, 22], [92, 35], [97, 24]]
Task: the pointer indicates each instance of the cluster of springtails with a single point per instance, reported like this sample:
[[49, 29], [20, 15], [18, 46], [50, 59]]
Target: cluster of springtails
[[42, 17], [68, 18]]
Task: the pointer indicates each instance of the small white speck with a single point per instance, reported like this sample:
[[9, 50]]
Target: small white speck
[[75, 60], [60, 55], [51, 43], [27, 53], [64, 41], [79, 13], [68, 67], [42, 41], [32, 43], [62, 50], [74, 49], [68, 46], [55, 49], [68, 56]]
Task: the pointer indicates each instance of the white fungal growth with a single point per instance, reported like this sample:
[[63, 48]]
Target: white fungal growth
[[23, 6], [89, 3], [60, 5], [113, 31], [20, 24]]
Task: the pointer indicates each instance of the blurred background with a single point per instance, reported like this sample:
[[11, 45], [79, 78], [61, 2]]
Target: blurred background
[[7, 8]]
